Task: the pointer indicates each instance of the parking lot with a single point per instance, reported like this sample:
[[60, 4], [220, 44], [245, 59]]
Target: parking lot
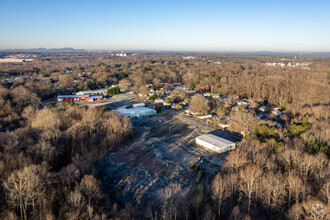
[[113, 102]]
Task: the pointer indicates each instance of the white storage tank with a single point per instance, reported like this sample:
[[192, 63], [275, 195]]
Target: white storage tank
[[215, 143]]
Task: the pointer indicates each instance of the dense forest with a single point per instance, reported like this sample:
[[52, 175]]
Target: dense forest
[[49, 157]]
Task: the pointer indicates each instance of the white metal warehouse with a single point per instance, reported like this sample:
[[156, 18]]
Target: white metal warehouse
[[215, 143], [136, 112]]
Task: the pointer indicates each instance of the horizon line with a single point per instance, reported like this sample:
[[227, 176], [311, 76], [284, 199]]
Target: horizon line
[[166, 50]]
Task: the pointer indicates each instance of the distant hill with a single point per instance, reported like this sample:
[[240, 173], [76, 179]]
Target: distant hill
[[45, 50]]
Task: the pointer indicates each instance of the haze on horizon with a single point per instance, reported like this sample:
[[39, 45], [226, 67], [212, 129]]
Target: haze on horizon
[[185, 25]]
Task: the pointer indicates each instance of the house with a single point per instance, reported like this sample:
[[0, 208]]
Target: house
[[277, 112], [216, 96], [223, 126], [261, 115], [223, 97], [151, 93], [207, 94], [159, 101], [188, 111]]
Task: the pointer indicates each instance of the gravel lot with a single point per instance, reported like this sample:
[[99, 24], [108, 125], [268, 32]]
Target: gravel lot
[[161, 151]]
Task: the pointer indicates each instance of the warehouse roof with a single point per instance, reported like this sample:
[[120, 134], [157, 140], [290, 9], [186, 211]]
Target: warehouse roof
[[215, 140], [93, 91], [136, 112], [71, 96]]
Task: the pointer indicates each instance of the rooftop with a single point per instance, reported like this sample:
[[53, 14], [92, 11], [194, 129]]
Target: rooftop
[[136, 112], [71, 96], [215, 140]]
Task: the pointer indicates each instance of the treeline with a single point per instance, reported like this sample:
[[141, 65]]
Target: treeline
[[47, 166]]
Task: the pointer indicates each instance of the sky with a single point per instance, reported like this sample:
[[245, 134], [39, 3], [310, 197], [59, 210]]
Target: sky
[[183, 25]]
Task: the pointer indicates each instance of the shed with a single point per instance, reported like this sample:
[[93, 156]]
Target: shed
[[215, 143]]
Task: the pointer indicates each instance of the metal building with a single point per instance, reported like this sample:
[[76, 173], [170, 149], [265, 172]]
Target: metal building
[[77, 98], [92, 92], [72, 98], [136, 112], [215, 143]]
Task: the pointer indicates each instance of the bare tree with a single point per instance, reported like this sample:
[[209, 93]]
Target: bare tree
[[305, 167], [89, 187], [272, 190], [125, 84], [249, 177], [235, 160], [220, 191], [171, 197], [66, 81], [24, 187], [46, 119], [22, 96], [282, 133], [179, 94], [321, 167], [243, 121], [199, 104], [295, 188], [232, 184], [325, 192], [295, 212], [90, 121], [29, 112], [76, 201]]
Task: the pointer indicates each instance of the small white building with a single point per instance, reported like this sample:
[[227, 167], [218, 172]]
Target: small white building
[[215, 143], [138, 105], [159, 101], [204, 116]]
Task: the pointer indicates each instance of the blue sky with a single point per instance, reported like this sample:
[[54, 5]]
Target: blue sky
[[231, 25]]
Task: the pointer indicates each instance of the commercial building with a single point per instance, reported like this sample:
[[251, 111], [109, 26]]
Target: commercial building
[[95, 97], [215, 143], [77, 98], [136, 112], [92, 92]]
